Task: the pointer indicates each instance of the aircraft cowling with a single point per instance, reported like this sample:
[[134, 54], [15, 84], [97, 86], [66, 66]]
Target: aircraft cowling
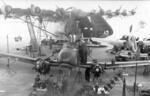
[[96, 26], [68, 54], [35, 11], [6, 10], [130, 42]]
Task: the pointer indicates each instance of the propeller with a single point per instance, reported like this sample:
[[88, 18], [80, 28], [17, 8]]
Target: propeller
[[109, 14], [133, 11], [101, 11], [6, 10], [124, 13], [35, 10], [117, 12], [131, 27]]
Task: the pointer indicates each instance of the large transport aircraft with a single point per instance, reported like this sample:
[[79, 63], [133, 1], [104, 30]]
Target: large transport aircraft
[[90, 24]]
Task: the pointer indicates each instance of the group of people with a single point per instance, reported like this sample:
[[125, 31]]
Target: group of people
[[96, 69], [77, 54]]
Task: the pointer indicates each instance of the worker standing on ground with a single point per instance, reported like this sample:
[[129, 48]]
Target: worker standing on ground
[[50, 43], [82, 52]]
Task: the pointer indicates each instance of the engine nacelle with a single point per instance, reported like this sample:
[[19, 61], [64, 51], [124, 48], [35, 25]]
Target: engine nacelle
[[35, 10], [6, 10]]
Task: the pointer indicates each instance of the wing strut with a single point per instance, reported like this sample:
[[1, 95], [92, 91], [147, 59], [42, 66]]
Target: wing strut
[[33, 40]]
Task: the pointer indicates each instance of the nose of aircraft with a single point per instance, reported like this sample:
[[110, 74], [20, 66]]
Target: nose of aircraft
[[95, 26], [101, 28]]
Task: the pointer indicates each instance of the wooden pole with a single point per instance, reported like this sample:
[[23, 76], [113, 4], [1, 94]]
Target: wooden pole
[[135, 80], [137, 57], [8, 60], [124, 87]]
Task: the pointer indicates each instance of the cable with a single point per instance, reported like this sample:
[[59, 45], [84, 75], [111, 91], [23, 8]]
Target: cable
[[36, 26], [3, 2], [44, 26]]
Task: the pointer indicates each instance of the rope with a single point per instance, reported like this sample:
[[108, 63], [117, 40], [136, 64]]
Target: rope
[[44, 26]]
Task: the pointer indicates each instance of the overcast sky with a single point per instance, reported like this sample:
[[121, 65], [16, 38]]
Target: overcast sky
[[83, 4]]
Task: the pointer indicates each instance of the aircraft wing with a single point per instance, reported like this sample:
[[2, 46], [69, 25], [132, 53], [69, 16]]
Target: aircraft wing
[[107, 65], [19, 57], [50, 15], [128, 64], [25, 12], [20, 12]]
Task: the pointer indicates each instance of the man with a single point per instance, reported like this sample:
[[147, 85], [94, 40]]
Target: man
[[50, 43], [87, 74], [96, 70], [82, 52]]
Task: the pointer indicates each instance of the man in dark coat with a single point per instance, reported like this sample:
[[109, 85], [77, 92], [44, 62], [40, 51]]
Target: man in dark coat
[[83, 52]]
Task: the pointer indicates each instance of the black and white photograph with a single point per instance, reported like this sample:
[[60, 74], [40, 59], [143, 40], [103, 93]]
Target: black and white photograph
[[74, 47]]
